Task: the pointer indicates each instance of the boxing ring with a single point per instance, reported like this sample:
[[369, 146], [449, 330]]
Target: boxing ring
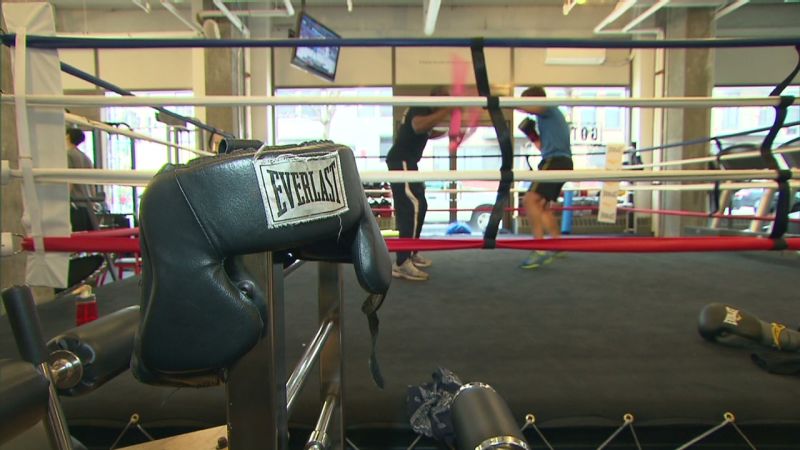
[[599, 345]]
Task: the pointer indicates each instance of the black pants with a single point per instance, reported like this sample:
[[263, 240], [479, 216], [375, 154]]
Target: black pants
[[82, 219], [410, 205]]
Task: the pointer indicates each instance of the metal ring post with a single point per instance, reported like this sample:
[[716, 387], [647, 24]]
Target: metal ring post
[[319, 440], [256, 387], [331, 358]]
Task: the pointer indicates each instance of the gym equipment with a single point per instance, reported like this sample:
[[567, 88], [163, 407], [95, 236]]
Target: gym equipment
[[303, 200], [75, 362], [87, 356], [483, 420], [25, 393], [732, 326]]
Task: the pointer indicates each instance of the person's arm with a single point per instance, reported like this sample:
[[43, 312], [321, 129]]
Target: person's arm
[[436, 134], [424, 124]]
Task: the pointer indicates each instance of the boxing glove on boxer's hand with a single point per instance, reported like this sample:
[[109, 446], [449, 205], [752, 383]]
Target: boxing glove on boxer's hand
[[528, 126]]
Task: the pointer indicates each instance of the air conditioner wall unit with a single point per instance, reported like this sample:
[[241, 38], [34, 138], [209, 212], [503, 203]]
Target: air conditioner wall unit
[[575, 56]]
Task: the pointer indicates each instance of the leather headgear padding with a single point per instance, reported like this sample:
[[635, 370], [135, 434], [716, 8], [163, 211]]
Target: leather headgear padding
[[196, 319]]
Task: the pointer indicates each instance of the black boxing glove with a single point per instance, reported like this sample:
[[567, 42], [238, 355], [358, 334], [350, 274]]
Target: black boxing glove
[[528, 126]]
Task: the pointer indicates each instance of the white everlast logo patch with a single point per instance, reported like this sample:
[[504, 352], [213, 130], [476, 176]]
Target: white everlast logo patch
[[732, 316], [299, 189]]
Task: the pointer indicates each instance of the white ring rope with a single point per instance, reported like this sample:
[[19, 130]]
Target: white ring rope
[[742, 155], [630, 187], [141, 177], [505, 102], [79, 120], [573, 175]]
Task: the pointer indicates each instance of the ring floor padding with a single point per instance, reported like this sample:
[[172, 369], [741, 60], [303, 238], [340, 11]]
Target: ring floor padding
[[579, 342]]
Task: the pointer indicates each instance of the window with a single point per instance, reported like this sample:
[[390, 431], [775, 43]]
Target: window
[[366, 129], [123, 153], [478, 151], [739, 119]]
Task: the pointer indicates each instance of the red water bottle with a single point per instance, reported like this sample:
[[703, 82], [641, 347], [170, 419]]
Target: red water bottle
[[85, 305]]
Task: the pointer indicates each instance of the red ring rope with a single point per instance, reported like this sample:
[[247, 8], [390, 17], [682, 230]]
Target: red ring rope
[[611, 245], [114, 232]]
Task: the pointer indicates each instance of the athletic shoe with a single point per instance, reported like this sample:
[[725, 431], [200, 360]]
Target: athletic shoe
[[537, 259], [420, 261], [408, 271]]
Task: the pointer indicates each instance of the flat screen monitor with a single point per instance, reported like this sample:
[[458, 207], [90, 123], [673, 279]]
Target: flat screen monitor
[[320, 61]]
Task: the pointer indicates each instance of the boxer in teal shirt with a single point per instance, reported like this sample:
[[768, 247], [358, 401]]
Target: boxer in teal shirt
[[552, 139]]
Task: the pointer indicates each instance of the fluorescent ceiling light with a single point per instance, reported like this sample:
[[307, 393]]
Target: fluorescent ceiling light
[[289, 7], [431, 10]]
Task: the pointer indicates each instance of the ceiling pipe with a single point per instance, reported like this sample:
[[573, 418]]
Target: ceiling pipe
[[233, 18], [349, 5], [725, 10], [144, 4], [649, 12], [621, 8], [431, 10], [169, 6]]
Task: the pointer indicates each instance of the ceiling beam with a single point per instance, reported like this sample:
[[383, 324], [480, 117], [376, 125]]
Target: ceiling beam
[[169, 6], [144, 4], [727, 9], [621, 8], [648, 12], [233, 18]]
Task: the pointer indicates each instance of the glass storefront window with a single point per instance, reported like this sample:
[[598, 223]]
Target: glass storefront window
[[121, 153], [738, 119], [478, 151], [367, 129]]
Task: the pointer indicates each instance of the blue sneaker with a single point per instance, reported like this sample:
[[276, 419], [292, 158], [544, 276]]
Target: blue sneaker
[[536, 259]]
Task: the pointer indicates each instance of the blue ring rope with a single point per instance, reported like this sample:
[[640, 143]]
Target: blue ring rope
[[709, 139], [53, 42], [74, 71]]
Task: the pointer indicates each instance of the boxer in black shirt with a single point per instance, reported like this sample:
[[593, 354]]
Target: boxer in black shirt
[[416, 127]]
